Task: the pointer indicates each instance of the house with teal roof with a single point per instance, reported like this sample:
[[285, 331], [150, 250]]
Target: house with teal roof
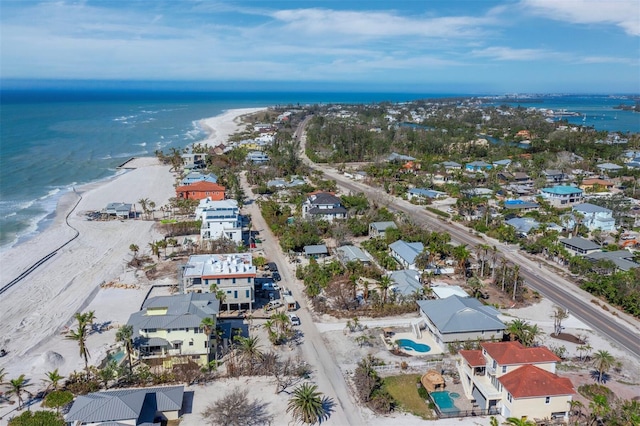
[[562, 196]]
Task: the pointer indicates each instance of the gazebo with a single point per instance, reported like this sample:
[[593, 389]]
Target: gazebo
[[432, 381]]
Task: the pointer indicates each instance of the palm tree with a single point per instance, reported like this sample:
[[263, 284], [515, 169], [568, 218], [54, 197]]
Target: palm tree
[[307, 404], [461, 254], [249, 350], [209, 325], [515, 421], [124, 335], [482, 250], [476, 285], [155, 249], [602, 361], [17, 386], [81, 334], [384, 284], [516, 272], [52, 380], [221, 295], [559, 315], [531, 334], [134, 248], [516, 329], [144, 205]]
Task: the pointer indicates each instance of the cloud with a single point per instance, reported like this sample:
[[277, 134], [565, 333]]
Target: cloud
[[623, 13], [376, 25], [502, 53]]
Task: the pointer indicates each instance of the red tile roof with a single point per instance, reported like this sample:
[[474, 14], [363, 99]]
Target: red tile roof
[[510, 353], [530, 381], [473, 357], [201, 186]]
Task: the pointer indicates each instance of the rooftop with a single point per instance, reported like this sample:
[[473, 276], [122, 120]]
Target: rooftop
[[562, 190], [513, 353], [457, 314], [530, 381]]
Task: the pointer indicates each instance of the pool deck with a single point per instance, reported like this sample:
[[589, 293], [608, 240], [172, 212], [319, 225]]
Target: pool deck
[[425, 340], [462, 403]]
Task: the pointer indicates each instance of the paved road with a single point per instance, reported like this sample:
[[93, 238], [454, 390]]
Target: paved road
[[327, 376], [624, 332]]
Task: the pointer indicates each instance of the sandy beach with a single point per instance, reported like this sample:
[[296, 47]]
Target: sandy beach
[[37, 311]]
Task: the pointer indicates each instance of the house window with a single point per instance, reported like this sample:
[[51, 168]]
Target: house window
[[504, 368], [197, 330], [509, 397], [547, 400], [235, 294], [247, 294], [233, 280], [191, 343]]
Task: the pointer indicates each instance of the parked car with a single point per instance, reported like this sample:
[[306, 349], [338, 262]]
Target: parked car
[[294, 319], [271, 266], [273, 305], [276, 276]]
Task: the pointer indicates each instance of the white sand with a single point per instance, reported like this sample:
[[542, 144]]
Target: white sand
[[222, 126], [35, 313]]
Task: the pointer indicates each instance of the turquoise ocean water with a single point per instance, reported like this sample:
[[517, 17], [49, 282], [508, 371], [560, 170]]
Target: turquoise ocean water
[[51, 141]]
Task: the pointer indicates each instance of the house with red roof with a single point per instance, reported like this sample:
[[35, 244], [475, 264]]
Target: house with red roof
[[515, 381], [201, 190]]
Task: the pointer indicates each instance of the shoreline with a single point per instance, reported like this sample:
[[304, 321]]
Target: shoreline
[[71, 280]]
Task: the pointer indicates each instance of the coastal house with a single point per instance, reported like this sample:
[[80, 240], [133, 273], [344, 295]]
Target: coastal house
[[220, 219], [379, 229], [523, 225], [554, 176], [120, 210], [477, 166], [518, 205], [233, 273], [394, 157], [562, 196], [596, 217], [323, 206], [606, 168], [422, 194], [622, 259], [451, 165], [460, 319], [405, 253], [515, 381], [352, 254], [405, 282], [444, 291], [201, 190], [316, 251], [257, 157], [194, 161], [169, 328], [579, 246], [502, 163], [596, 184], [140, 406], [194, 177]]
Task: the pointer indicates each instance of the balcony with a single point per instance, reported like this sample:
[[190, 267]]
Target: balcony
[[491, 370]]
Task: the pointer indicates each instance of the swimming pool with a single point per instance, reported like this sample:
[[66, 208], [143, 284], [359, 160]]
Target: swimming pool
[[117, 357], [444, 401], [410, 345]]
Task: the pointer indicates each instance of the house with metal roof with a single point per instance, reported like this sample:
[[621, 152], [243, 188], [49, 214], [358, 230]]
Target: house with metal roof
[[323, 206], [421, 194], [405, 282], [120, 210], [140, 406], [169, 328], [405, 253], [512, 380], [523, 225], [520, 205], [460, 319], [451, 165], [562, 196], [352, 254], [502, 163], [580, 246], [596, 217], [554, 176], [623, 259], [609, 167], [379, 229], [394, 156], [477, 166], [444, 291], [316, 251], [257, 157], [194, 177], [220, 219], [233, 273]]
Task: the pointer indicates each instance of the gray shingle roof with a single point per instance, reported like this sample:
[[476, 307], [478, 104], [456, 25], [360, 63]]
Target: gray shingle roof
[[457, 314], [405, 281], [125, 404], [383, 226], [581, 243], [352, 253], [315, 249], [619, 257]]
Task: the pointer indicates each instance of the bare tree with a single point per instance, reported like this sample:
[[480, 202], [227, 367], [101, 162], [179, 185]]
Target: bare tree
[[235, 409]]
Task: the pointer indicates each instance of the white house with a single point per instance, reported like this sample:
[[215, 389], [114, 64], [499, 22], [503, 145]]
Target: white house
[[232, 273], [596, 217], [220, 219], [562, 195]]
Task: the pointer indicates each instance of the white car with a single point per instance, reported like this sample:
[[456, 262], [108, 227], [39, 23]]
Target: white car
[[294, 319]]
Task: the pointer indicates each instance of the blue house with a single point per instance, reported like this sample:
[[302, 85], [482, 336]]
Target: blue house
[[405, 253], [423, 193], [562, 195], [596, 217], [477, 166], [194, 177]]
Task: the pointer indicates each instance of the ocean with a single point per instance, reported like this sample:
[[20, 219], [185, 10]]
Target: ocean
[[53, 140]]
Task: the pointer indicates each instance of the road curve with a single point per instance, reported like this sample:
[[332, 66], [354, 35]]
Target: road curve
[[539, 278]]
